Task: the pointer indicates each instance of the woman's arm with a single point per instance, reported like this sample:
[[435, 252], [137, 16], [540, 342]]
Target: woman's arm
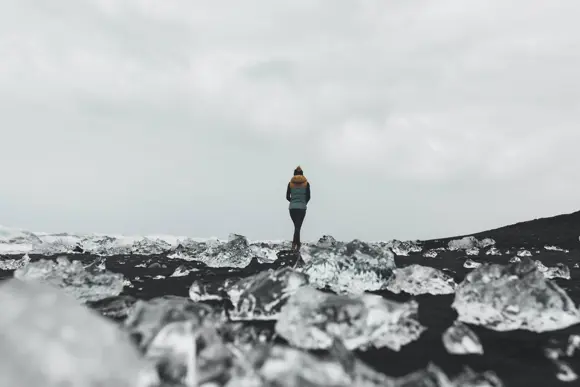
[[307, 192], [288, 192]]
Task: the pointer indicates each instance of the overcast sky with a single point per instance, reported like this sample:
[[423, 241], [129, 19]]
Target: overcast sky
[[412, 119]]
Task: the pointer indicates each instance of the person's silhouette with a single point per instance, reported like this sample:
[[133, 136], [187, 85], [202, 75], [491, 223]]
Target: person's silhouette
[[298, 194]]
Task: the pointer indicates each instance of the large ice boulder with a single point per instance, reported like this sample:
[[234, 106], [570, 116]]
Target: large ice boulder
[[48, 339], [353, 267], [313, 319], [514, 296]]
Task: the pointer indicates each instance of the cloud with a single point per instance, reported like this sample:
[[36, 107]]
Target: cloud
[[186, 117]]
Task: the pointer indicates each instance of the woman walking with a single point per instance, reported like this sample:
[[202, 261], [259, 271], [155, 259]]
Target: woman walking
[[298, 194]]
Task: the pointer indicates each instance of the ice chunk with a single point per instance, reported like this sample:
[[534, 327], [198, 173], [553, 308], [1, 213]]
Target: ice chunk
[[50, 340], [354, 267], [148, 246], [17, 241], [261, 296], [460, 340], [470, 264], [327, 241], [472, 251], [565, 372], [313, 319], [558, 271], [147, 318], [430, 254], [404, 248], [470, 242], [556, 248], [515, 259], [13, 264], [106, 245], [524, 253], [181, 271], [573, 345], [493, 251], [89, 284], [417, 279], [210, 290], [515, 296]]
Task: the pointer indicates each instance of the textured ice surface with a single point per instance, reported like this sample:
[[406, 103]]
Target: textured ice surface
[[284, 366], [313, 319], [514, 296], [470, 264], [524, 253], [417, 279], [558, 271], [353, 267], [90, 284], [50, 340], [147, 318], [13, 264], [261, 296], [470, 242], [458, 339]]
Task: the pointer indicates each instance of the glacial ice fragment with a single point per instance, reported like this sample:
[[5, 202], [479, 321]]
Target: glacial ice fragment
[[312, 319], [514, 296], [458, 339], [558, 271], [13, 264], [416, 279], [354, 267], [48, 339], [260, 297], [469, 242], [470, 264], [89, 284]]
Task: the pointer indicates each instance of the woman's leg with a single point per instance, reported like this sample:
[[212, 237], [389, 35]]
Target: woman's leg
[[300, 214]]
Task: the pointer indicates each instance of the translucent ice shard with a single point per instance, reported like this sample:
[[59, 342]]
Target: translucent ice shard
[[417, 279], [469, 378], [472, 251], [312, 319], [261, 296], [514, 296], [354, 267], [90, 284], [458, 339], [48, 339]]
